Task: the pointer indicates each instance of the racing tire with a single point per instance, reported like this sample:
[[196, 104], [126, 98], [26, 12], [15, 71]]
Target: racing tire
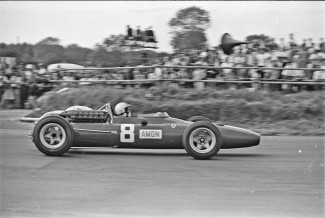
[[202, 140], [53, 135], [198, 118]]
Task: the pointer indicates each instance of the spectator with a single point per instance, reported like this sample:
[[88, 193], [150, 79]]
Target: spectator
[[211, 57], [227, 73], [217, 63], [312, 54], [268, 72], [292, 41], [55, 76], [282, 44], [173, 74], [320, 54], [200, 74], [42, 70], [3, 66], [15, 84], [8, 96], [176, 61], [303, 58], [261, 58], [203, 55], [24, 90], [150, 36], [166, 62], [309, 74], [33, 91], [275, 74], [318, 74], [85, 77], [239, 61], [128, 74], [129, 32], [310, 43], [297, 74], [322, 44], [158, 71], [304, 44], [139, 33], [2, 82], [28, 72]]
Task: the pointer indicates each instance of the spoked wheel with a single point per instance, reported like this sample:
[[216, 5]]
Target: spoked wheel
[[202, 140], [53, 135]]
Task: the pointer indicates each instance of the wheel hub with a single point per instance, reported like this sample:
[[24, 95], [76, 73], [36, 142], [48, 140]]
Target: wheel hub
[[52, 135], [202, 140]]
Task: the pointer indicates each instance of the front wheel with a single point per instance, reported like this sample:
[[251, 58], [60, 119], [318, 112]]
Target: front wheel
[[53, 136], [202, 140]]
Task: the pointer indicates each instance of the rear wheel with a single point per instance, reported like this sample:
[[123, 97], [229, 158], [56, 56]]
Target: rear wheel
[[198, 118], [53, 135], [202, 140]]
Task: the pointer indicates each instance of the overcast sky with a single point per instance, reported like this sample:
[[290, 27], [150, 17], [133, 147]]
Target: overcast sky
[[89, 22]]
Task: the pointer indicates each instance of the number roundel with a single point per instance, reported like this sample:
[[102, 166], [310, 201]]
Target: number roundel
[[127, 133]]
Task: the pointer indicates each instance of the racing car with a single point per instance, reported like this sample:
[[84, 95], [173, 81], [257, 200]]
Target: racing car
[[78, 126]]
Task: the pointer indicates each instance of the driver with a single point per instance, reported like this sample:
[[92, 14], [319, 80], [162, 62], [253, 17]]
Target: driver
[[123, 109]]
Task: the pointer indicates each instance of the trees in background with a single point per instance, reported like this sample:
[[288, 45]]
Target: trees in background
[[73, 53], [114, 42], [259, 37], [48, 51], [261, 40], [108, 53], [188, 29]]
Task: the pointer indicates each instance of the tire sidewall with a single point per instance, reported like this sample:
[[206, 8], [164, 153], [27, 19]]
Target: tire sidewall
[[191, 151], [68, 139]]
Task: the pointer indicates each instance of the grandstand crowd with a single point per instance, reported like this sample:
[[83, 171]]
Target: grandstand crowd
[[19, 83]]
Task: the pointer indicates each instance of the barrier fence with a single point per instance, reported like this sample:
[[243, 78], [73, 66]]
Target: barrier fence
[[144, 81], [196, 67], [237, 81], [234, 81], [22, 92]]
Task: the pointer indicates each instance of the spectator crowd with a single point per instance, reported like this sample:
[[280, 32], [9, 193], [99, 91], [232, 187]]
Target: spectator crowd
[[24, 83]]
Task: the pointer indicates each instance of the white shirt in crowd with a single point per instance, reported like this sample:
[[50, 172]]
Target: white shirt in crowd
[[28, 74], [319, 75], [226, 72], [250, 59], [42, 71], [293, 73], [158, 72], [261, 58]]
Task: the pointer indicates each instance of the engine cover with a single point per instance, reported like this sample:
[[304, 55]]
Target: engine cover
[[91, 116]]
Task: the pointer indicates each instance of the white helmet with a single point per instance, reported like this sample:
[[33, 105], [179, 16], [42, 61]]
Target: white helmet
[[123, 108]]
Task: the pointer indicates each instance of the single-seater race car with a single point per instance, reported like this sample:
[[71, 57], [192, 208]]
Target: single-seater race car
[[78, 126]]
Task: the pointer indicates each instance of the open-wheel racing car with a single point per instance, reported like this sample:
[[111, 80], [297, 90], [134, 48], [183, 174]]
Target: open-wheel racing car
[[78, 126]]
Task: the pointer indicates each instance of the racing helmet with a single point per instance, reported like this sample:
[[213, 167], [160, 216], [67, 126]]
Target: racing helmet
[[123, 108]]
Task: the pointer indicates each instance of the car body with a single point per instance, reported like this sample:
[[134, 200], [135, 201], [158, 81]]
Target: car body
[[56, 132]]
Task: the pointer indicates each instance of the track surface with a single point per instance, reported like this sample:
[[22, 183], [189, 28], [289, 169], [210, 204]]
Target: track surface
[[282, 177]]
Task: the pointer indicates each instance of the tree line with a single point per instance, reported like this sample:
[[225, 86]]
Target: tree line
[[49, 51], [188, 33]]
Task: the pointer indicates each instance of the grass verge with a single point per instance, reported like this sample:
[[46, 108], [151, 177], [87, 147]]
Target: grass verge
[[269, 113]]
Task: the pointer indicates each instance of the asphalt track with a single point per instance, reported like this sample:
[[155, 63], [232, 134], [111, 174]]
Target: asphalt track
[[282, 177]]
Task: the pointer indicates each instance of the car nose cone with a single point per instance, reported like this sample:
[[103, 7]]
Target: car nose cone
[[234, 137]]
